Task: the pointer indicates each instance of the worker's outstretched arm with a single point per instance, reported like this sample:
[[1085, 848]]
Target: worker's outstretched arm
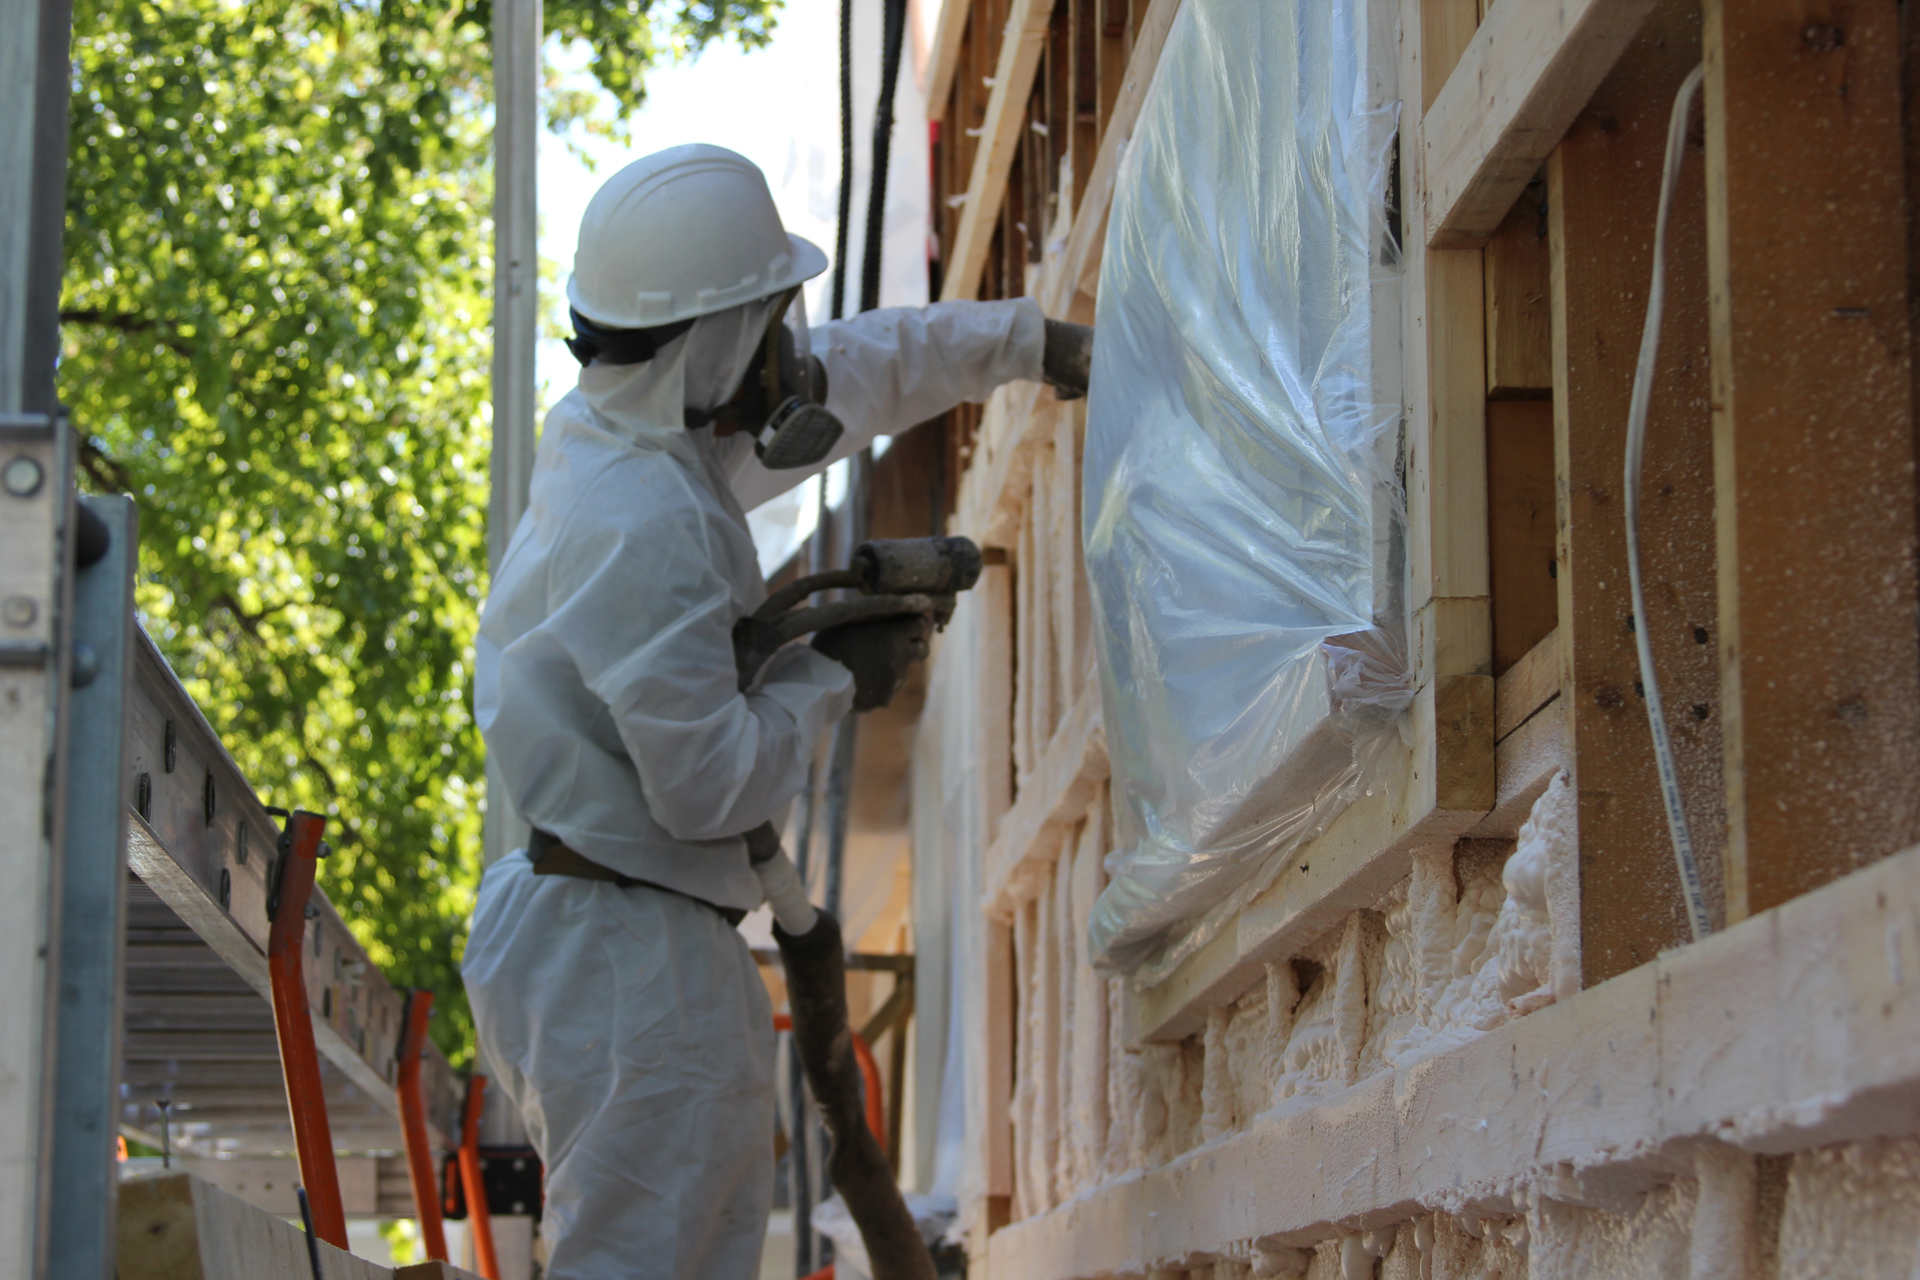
[[891, 369], [645, 613]]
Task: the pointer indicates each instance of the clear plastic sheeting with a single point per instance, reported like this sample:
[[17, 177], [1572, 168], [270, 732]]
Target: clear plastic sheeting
[[1244, 512]]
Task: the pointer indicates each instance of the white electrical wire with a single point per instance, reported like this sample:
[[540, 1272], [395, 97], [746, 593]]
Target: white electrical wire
[[1683, 854]]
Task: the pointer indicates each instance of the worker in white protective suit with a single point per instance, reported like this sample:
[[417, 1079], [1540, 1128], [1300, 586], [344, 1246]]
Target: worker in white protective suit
[[615, 1000]]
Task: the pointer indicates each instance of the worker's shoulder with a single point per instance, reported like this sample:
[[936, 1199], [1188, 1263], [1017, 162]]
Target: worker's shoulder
[[602, 480]]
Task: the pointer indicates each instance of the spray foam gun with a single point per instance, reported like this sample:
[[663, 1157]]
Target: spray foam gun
[[891, 577]]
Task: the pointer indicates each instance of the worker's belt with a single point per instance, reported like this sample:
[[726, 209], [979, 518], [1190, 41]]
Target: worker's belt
[[552, 858]]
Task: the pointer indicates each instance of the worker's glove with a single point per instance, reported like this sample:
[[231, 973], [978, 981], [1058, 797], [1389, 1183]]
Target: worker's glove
[[878, 653], [1067, 362]]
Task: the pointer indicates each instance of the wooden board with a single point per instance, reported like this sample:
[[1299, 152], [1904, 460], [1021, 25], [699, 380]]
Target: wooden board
[[1520, 506], [944, 61], [1527, 687], [1052, 798], [1604, 183], [1519, 270], [176, 1227], [1447, 482], [1021, 44], [1523, 78], [1446, 31], [1813, 440]]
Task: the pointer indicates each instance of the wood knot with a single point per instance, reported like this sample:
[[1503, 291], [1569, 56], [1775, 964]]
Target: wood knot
[[1610, 697]]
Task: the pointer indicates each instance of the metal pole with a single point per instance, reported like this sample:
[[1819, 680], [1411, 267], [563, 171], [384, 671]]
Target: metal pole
[[93, 890], [35, 37], [36, 528], [840, 767], [517, 27]]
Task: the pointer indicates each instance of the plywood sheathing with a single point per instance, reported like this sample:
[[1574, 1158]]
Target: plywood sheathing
[[1807, 236]]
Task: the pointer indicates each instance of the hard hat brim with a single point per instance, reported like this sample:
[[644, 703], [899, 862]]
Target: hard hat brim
[[807, 261]]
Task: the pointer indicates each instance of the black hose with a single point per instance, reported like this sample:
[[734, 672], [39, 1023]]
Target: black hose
[[846, 161], [815, 963], [895, 31]]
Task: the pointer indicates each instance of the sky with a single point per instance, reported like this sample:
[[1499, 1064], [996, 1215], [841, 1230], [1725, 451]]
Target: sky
[[779, 107]]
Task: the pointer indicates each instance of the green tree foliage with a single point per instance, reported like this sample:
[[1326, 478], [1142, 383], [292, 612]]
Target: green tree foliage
[[276, 333]]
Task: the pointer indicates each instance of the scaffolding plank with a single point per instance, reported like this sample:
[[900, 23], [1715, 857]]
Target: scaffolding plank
[[177, 1226]]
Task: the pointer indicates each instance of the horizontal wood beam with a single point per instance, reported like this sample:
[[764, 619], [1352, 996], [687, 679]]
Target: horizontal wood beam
[[268, 1183], [1021, 44], [1602, 1096], [1053, 797], [1524, 763], [1526, 74]]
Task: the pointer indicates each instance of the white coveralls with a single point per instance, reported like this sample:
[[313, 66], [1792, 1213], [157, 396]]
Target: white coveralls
[[630, 1025]]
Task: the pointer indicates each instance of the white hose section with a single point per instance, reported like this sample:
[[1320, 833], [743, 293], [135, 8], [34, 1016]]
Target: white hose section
[[1683, 854], [786, 894]]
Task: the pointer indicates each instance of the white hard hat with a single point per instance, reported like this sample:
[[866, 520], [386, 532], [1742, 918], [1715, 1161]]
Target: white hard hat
[[682, 233]]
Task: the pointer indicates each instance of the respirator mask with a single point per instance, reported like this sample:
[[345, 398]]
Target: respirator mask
[[782, 401]]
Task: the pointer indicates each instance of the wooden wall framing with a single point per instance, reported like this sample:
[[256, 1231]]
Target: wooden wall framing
[[1778, 532]]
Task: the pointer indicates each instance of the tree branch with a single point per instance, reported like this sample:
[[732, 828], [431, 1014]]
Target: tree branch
[[126, 323], [349, 833], [249, 622], [107, 472]]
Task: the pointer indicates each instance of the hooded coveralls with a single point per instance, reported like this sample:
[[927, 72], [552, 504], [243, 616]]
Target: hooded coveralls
[[630, 1026]]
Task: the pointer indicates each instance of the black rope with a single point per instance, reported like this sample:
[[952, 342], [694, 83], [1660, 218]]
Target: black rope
[[895, 31]]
